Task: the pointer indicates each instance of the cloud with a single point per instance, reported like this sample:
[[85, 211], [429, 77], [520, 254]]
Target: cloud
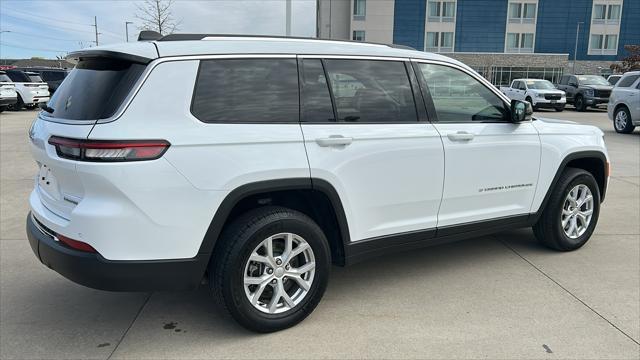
[[38, 27]]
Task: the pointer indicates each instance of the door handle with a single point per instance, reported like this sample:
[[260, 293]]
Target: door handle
[[460, 136], [334, 140]]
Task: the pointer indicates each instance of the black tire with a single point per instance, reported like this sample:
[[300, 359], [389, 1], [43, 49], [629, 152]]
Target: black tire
[[626, 126], [528, 99], [548, 230], [18, 105], [559, 108], [3, 108], [579, 103], [237, 242]]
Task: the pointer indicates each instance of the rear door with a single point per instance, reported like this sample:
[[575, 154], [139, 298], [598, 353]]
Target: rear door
[[492, 164], [373, 144]]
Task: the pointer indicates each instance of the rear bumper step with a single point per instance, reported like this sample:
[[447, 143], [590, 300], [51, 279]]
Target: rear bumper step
[[92, 270]]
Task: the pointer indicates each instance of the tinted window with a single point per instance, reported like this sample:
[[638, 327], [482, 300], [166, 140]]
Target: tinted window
[[627, 81], [458, 97], [371, 91], [316, 101], [18, 76], [613, 79], [35, 78], [4, 78], [247, 90], [95, 89], [53, 75]]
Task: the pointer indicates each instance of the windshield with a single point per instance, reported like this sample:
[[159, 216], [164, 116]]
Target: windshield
[[592, 80], [35, 78], [540, 85], [614, 79]]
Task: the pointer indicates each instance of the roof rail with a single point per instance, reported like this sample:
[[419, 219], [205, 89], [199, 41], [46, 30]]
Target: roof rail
[[186, 37]]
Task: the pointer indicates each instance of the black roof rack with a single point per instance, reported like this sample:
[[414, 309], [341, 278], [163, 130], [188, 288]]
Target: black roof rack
[[186, 37]]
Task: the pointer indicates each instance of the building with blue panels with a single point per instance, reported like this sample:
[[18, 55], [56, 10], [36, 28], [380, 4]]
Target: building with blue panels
[[502, 39]]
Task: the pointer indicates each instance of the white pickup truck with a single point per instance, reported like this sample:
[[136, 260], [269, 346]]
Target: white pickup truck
[[540, 93]]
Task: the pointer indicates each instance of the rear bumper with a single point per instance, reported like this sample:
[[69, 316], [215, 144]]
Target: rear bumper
[[92, 270], [8, 101]]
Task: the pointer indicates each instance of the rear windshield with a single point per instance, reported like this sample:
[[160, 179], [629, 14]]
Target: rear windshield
[[53, 75], [35, 78], [94, 89], [18, 76]]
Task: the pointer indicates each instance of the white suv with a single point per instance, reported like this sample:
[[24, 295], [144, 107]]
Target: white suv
[[624, 103], [30, 88], [258, 162]]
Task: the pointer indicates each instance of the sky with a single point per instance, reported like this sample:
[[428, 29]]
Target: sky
[[50, 28]]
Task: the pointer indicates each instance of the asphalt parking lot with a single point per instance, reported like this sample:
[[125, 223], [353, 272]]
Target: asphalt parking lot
[[500, 296]]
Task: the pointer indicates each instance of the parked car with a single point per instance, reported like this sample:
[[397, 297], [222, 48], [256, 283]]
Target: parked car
[[539, 93], [52, 76], [258, 162], [624, 104], [30, 88], [8, 95], [613, 79], [585, 90]]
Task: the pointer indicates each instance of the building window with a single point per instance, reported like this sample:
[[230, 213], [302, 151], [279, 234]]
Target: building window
[[359, 9], [603, 44], [606, 14], [441, 11], [522, 12], [439, 42], [358, 35], [519, 43]]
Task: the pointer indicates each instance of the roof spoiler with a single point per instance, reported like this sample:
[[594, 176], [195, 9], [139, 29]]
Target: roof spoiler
[[76, 56], [148, 35]]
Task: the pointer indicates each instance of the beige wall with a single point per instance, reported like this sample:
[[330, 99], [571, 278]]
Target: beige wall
[[334, 19], [378, 22]]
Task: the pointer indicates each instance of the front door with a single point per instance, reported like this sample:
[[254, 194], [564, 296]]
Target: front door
[[491, 164]]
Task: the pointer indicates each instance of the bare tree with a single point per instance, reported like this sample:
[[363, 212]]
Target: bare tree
[[156, 15]]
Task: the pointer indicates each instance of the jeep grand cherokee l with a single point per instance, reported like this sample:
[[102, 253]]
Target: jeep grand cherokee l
[[259, 162]]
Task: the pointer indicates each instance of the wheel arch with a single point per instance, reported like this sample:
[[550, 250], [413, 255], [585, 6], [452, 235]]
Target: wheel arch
[[594, 162], [315, 198]]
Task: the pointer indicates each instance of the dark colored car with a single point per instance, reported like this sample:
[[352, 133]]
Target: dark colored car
[[52, 76], [585, 90]]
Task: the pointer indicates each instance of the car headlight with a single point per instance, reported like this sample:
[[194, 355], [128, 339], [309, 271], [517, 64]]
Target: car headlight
[[588, 92], [540, 96]]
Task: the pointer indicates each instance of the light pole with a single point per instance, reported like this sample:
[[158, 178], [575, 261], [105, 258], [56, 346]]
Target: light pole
[[575, 50], [126, 29]]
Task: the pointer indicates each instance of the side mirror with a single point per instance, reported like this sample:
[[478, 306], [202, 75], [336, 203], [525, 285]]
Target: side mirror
[[521, 111], [573, 84]]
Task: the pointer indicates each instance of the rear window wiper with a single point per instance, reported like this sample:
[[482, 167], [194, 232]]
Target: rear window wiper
[[46, 108]]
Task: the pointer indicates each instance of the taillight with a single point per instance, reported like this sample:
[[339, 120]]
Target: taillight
[[75, 244], [108, 150]]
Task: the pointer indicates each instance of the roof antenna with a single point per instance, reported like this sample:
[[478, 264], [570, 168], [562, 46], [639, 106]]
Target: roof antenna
[[148, 35]]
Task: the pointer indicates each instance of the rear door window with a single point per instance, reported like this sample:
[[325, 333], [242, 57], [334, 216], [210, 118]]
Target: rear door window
[[371, 91], [316, 100], [247, 90], [94, 89], [628, 80]]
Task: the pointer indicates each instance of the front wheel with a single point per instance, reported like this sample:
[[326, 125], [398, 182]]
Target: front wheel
[[622, 121], [270, 268], [571, 213], [559, 108], [579, 103]]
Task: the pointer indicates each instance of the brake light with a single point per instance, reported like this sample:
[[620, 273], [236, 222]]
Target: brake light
[[108, 150], [75, 244]]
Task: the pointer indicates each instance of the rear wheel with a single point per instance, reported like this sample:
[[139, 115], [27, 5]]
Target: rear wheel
[[18, 105], [571, 214], [622, 121], [579, 103], [270, 268]]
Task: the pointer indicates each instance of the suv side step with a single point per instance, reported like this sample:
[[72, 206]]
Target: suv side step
[[365, 249]]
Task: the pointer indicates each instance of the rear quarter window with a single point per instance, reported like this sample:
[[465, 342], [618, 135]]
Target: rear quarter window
[[627, 81], [246, 90], [95, 89]]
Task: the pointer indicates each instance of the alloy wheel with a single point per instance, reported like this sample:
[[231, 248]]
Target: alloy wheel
[[279, 273], [577, 211], [621, 120]]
